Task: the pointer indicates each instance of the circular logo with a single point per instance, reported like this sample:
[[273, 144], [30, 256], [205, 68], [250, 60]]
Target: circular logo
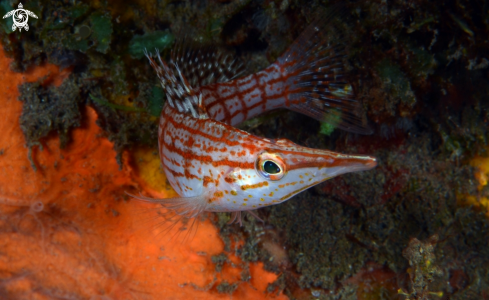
[[20, 17]]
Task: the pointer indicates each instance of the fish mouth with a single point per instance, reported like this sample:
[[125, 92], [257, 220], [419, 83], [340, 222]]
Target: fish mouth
[[334, 160], [349, 164], [329, 166], [361, 163]]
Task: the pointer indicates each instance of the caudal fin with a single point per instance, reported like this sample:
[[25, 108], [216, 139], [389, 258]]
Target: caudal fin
[[316, 77]]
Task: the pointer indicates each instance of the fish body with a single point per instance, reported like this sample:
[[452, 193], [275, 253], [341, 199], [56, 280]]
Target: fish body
[[214, 166], [238, 100], [225, 169]]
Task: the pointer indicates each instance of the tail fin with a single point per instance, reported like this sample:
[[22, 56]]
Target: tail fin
[[316, 77]]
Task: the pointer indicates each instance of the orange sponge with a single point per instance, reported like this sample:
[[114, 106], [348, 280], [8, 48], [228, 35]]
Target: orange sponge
[[66, 229]]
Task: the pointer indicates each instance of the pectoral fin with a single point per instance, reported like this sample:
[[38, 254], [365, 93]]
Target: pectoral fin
[[188, 207]]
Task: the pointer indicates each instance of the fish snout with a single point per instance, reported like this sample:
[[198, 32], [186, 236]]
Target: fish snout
[[333, 165], [354, 163]]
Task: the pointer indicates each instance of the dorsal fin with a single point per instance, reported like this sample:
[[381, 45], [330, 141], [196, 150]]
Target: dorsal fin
[[179, 92], [206, 64]]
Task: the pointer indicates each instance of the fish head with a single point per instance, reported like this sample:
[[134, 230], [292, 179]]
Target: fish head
[[283, 169]]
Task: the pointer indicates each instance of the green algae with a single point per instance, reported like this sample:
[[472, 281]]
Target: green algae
[[326, 128], [114, 106], [160, 40], [423, 63], [102, 30], [155, 102], [94, 32], [396, 82], [4, 8], [118, 77], [78, 11], [330, 122], [73, 43]]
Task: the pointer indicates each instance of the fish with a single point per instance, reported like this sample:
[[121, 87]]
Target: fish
[[214, 166]]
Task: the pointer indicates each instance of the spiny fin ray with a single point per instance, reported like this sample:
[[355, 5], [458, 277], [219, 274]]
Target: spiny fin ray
[[179, 92], [188, 207], [204, 65]]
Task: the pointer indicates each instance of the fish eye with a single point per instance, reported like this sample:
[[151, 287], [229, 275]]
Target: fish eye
[[271, 166]]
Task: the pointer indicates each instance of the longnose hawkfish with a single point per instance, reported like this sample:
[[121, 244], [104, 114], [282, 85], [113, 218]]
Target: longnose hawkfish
[[216, 167]]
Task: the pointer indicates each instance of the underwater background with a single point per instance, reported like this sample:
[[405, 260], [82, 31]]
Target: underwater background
[[80, 106]]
